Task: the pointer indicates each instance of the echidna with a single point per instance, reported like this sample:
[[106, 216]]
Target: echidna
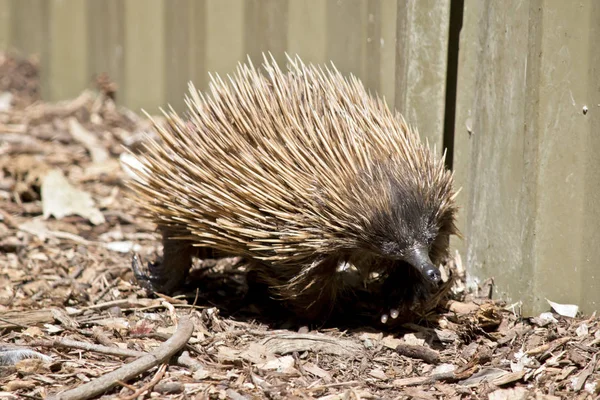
[[306, 176]]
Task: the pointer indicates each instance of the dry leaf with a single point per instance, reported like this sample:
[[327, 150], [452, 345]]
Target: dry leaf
[[317, 371], [256, 353], [5, 101], [518, 393], [378, 373], [89, 140], [284, 365], [60, 199], [485, 375], [544, 319], [566, 310], [391, 342], [32, 366], [462, 308], [413, 340]]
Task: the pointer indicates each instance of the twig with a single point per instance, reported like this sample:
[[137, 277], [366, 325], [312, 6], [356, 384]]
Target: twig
[[157, 377], [582, 377], [419, 352], [13, 323], [123, 303], [332, 385], [425, 380], [186, 361], [160, 355], [74, 344], [8, 219], [163, 337]]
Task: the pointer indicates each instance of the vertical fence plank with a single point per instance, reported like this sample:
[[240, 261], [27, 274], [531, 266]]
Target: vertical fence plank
[[463, 129], [495, 142], [527, 151], [177, 51], [380, 60], [225, 35], [144, 54], [29, 36], [106, 40], [198, 22], [565, 252], [346, 35], [307, 30], [591, 192], [372, 74], [266, 29], [387, 44], [422, 57], [5, 24], [67, 63]]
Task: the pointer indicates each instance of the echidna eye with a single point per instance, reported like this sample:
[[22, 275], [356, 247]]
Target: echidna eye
[[429, 239]]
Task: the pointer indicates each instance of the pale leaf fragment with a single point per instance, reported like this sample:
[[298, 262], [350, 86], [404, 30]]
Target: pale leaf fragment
[[582, 330], [60, 198], [90, 141], [5, 101], [485, 375], [545, 318], [378, 373], [317, 371], [284, 365], [518, 393], [391, 342], [412, 339], [566, 310]]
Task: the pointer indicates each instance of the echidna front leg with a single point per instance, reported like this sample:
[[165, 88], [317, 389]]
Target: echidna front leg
[[168, 274]]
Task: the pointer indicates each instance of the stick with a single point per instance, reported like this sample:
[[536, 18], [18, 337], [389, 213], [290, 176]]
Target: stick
[[157, 377], [160, 355], [74, 344], [420, 352]]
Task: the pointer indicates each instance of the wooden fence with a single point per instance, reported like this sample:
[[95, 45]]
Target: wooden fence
[[527, 148], [514, 95]]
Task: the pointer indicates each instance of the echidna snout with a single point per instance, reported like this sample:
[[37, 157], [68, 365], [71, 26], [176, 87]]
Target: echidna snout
[[419, 258]]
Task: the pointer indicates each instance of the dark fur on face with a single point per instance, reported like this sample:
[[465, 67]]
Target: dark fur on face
[[414, 216]]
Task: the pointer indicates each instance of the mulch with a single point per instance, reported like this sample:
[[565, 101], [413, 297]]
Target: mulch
[[73, 320]]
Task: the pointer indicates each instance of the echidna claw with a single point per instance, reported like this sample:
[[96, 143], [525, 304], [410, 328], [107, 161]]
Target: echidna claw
[[394, 313], [142, 275]]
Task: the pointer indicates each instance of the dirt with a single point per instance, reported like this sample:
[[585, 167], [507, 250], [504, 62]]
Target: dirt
[[71, 311]]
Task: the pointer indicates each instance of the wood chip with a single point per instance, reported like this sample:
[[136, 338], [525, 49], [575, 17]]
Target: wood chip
[[291, 342], [508, 378], [419, 352], [317, 371]]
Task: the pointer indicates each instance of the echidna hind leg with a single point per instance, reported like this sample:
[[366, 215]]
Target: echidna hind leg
[[168, 274]]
